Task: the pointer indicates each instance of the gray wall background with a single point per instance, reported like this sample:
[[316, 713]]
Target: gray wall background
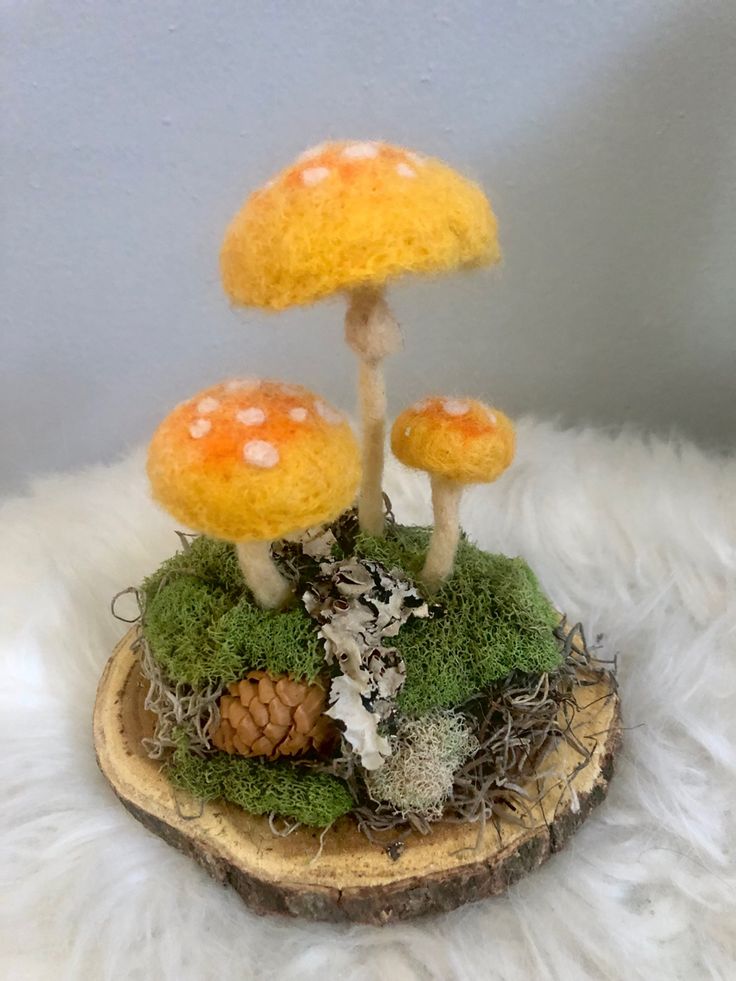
[[604, 133]]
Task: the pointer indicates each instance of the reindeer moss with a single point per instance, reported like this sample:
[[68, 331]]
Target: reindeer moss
[[203, 626], [492, 619], [259, 787], [270, 641]]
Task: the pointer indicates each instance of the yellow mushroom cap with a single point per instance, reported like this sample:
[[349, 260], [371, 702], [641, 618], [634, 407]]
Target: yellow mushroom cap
[[459, 439], [348, 214], [253, 461]]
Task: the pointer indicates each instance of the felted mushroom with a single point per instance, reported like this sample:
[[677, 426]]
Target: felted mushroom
[[253, 461], [458, 442], [349, 217]]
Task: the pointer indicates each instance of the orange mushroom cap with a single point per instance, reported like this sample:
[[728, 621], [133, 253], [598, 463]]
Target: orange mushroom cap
[[254, 461], [348, 214], [460, 439]]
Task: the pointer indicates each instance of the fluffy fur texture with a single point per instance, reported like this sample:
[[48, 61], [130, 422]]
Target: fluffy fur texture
[[636, 537], [346, 214], [460, 439], [250, 460]]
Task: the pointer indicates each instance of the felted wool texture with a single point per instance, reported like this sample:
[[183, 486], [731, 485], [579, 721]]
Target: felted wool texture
[[249, 460], [635, 536], [348, 214], [459, 439]]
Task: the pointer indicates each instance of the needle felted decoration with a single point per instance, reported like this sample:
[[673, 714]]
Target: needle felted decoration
[[304, 662], [249, 461], [458, 442], [348, 217]]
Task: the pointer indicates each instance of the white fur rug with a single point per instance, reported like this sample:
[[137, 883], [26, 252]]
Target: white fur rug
[[635, 537]]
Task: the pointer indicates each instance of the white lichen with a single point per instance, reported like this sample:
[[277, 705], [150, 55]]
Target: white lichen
[[359, 604], [361, 725]]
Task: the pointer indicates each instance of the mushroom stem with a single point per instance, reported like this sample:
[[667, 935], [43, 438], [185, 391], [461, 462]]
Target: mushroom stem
[[372, 394], [373, 333], [441, 553], [264, 580]]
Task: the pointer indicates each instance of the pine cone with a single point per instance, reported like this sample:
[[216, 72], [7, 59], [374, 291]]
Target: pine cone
[[274, 715]]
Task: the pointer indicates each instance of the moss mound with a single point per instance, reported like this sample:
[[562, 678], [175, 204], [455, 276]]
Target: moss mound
[[203, 626], [492, 619], [314, 799]]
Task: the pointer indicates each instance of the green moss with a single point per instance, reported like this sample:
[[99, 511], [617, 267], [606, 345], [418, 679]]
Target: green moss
[[494, 619], [211, 562], [271, 641], [203, 626], [287, 789], [178, 626]]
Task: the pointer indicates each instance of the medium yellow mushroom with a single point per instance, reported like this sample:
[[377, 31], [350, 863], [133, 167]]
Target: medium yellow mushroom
[[253, 461], [348, 217], [457, 442]]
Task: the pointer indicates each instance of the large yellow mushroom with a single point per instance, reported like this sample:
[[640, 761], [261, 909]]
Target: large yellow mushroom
[[458, 442], [349, 217], [253, 461]]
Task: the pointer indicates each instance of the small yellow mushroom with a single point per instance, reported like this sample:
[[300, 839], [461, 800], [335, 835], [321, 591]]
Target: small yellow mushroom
[[253, 461], [457, 442]]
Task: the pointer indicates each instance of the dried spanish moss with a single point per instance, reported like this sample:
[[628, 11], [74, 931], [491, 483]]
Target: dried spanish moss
[[177, 707], [517, 726]]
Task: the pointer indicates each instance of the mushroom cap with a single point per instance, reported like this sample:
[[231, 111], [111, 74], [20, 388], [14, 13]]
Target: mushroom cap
[[349, 214], [460, 439], [253, 461]]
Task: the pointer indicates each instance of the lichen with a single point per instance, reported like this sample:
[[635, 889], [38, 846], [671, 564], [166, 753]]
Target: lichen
[[417, 777]]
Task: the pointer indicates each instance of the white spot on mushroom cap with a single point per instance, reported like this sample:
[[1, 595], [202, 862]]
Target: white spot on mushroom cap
[[260, 453], [313, 175], [421, 406], [415, 158], [252, 416], [207, 405], [242, 384], [199, 428], [455, 407], [327, 412], [404, 170], [312, 152], [360, 151], [298, 414], [492, 417], [407, 431]]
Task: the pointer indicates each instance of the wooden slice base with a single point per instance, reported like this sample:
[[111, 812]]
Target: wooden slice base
[[352, 880]]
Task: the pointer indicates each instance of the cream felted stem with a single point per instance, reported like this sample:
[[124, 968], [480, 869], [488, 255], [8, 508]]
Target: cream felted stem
[[441, 554], [264, 580], [372, 332]]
